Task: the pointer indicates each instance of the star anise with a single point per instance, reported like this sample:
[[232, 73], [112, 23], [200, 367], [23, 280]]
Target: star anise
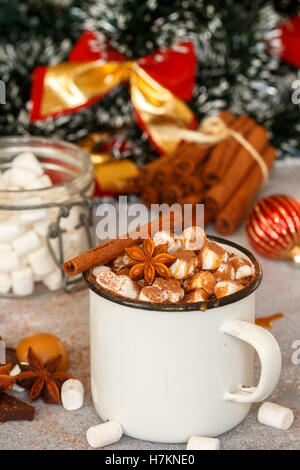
[[150, 261], [42, 379], [6, 381]]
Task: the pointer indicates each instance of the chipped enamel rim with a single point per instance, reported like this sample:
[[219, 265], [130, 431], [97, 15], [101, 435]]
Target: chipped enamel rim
[[187, 307]]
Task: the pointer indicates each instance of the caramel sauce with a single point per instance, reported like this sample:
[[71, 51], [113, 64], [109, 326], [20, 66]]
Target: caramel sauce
[[267, 322]]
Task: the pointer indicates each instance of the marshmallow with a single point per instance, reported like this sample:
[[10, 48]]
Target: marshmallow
[[276, 416], [212, 255], [121, 261], [203, 443], [162, 238], [7, 178], [227, 288], [41, 227], [72, 393], [22, 281], [151, 294], [26, 243], [198, 295], [100, 269], [41, 262], [53, 280], [5, 283], [9, 262], [5, 247], [185, 265], [40, 183], [29, 216], [16, 371], [171, 289], [9, 231], [126, 287], [73, 219], [106, 279], [74, 243], [202, 280], [22, 177], [225, 272], [242, 267], [193, 238], [104, 434], [28, 161]]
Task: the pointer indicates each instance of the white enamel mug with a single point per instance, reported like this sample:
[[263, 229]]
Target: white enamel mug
[[167, 372]]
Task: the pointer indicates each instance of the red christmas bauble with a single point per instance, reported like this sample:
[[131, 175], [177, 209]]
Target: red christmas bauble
[[273, 227]]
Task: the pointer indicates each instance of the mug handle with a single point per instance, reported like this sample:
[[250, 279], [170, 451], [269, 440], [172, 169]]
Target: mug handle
[[270, 357]]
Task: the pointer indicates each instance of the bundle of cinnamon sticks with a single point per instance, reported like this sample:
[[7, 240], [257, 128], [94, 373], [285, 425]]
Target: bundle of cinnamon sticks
[[224, 177]]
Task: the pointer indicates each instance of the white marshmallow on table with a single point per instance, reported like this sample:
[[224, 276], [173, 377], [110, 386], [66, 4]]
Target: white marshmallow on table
[[9, 262], [53, 280], [28, 161], [26, 243], [5, 282], [193, 238], [276, 416], [104, 434], [29, 216], [100, 269], [203, 443], [72, 393], [22, 281], [16, 371], [41, 227], [41, 261], [9, 231], [40, 182], [163, 237], [73, 219]]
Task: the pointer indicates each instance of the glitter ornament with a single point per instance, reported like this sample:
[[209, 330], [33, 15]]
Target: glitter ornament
[[273, 227]]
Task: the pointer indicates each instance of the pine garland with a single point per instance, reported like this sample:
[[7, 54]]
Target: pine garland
[[235, 68]]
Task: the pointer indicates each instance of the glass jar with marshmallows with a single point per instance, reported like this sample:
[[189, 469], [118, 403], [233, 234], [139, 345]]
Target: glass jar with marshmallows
[[45, 213]]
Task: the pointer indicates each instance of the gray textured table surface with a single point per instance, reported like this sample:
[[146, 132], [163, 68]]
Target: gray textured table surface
[[67, 317]]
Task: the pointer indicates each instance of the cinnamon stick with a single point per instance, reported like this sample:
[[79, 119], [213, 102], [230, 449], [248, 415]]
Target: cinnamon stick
[[172, 194], [109, 250], [218, 196], [231, 216], [223, 153], [190, 184], [149, 195], [191, 155]]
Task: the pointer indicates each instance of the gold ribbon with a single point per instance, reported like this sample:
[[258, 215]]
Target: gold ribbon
[[212, 131], [74, 84]]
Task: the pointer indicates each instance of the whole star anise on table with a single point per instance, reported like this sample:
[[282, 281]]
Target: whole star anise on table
[[6, 381], [42, 379], [150, 260]]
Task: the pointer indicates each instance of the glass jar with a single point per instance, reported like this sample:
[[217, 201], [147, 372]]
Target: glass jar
[[42, 228]]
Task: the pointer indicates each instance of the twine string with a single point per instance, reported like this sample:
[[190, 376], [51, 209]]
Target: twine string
[[212, 131]]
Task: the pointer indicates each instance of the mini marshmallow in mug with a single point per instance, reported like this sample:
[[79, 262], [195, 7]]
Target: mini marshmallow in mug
[[162, 237], [193, 238]]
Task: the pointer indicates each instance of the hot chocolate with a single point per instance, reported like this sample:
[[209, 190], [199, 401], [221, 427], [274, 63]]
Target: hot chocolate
[[172, 269]]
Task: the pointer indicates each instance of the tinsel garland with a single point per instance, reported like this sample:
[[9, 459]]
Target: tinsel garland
[[235, 69]]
